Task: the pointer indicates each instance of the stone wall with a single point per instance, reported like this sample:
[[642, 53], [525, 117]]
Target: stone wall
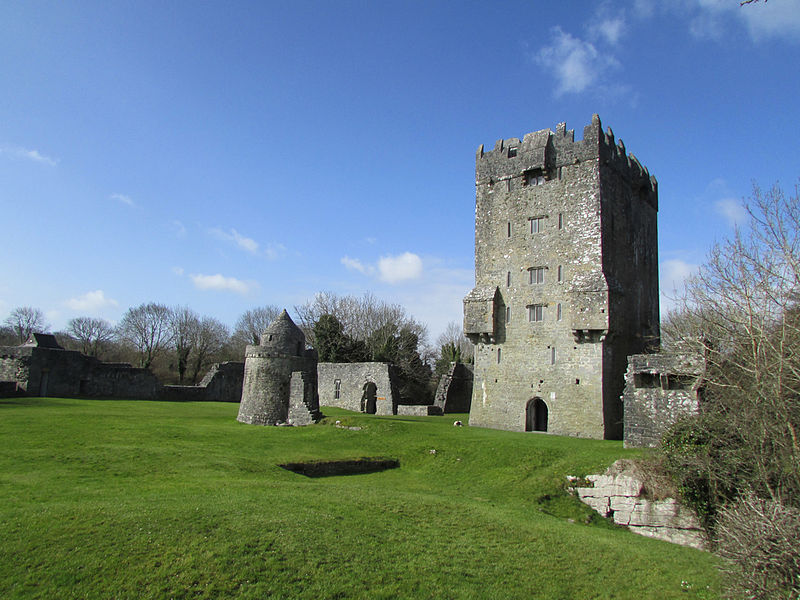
[[352, 379], [659, 389], [454, 392], [222, 383], [566, 280], [620, 495], [67, 373]]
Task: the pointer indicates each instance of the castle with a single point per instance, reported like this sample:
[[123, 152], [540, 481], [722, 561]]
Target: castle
[[566, 274]]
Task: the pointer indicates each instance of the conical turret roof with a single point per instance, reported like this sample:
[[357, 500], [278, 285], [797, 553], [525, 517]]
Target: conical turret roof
[[284, 336]]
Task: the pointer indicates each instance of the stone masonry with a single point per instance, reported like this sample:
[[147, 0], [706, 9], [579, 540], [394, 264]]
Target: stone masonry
[[365, 387], [659, 389], [280, 378], [566, 281], [620, 495]]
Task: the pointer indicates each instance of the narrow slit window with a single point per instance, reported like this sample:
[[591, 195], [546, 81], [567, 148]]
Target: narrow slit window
[[508, 229], [558, 312], [508, 279], [561, 220], [508, 314], [337, 388], [560, 274], [553, 355], [498, 356]]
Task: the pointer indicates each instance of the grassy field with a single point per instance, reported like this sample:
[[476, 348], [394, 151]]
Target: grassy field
[[117, 499]]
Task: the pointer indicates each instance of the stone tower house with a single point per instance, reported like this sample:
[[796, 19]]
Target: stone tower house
[[566, 273], [280, 378]]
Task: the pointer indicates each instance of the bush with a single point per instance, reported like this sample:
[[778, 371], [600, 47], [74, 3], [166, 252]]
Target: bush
[[760, 542]]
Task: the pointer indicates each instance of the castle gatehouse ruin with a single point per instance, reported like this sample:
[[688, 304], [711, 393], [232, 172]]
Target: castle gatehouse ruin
[[566, 281]]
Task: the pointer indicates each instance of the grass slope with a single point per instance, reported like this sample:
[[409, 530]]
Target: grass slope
[[116, 499]]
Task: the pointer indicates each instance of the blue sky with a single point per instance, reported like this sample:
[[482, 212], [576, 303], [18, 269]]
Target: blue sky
[[231, 155]]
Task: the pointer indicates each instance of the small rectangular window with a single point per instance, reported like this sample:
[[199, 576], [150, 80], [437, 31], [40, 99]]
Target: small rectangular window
[[498, 356], [536, 312], [512, 152], [537, 224], [560, 220], [508, 314], [534, 177], [558, 312], [536, 275], [337, 388], [553, 355], [560, 274]]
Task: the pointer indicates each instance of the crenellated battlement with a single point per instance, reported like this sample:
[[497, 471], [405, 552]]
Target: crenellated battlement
[[546, 150]]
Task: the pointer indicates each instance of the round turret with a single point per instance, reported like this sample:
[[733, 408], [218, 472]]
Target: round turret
[[284, 337]]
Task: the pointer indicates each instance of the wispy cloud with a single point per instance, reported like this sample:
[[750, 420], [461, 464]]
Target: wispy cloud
[[26, 154], [179, 228], [219, 282], [272, 251], [178, 271], [354, 264], [609, 29], [91, 301], [732, 209], [575, 64], [123, 199]]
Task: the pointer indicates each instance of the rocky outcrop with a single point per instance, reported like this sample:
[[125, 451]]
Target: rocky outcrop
[[620, 494]]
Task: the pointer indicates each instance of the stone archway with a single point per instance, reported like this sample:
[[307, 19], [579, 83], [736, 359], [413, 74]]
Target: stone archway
[[536, 415], [369, 399]]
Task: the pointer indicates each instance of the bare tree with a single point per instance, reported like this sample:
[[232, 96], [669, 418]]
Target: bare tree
[[24, 321], [184, 323], [147, 328], [362, 318], [90, 333], [210, 338], [251, 325], [454, 334]]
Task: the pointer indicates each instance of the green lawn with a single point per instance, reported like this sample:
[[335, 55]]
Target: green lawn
[[118, 499]]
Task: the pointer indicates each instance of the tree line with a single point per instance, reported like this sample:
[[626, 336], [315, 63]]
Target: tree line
[[179, 345]]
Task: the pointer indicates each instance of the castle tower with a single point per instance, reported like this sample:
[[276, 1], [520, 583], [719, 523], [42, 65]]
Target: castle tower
[[566, 274], [280, 378]]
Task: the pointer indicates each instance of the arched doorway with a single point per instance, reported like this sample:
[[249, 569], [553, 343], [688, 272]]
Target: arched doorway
[[536, 415], [369, 401]]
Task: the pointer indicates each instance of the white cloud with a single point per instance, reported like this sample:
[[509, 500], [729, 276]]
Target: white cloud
[[674, 273], [24, 153], [123, 198], [178, 271], [91, 301], [732, 209], [222, 283], [394, 269], [780, 18], [610, 29], [354, 264], [272, 251], [576, 64]]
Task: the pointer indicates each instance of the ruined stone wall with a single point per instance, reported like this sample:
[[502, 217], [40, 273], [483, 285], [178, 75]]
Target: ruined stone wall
[[454, 392], [222, 383], [67, 373], [543, 207], [659, 390], [352, 378]]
